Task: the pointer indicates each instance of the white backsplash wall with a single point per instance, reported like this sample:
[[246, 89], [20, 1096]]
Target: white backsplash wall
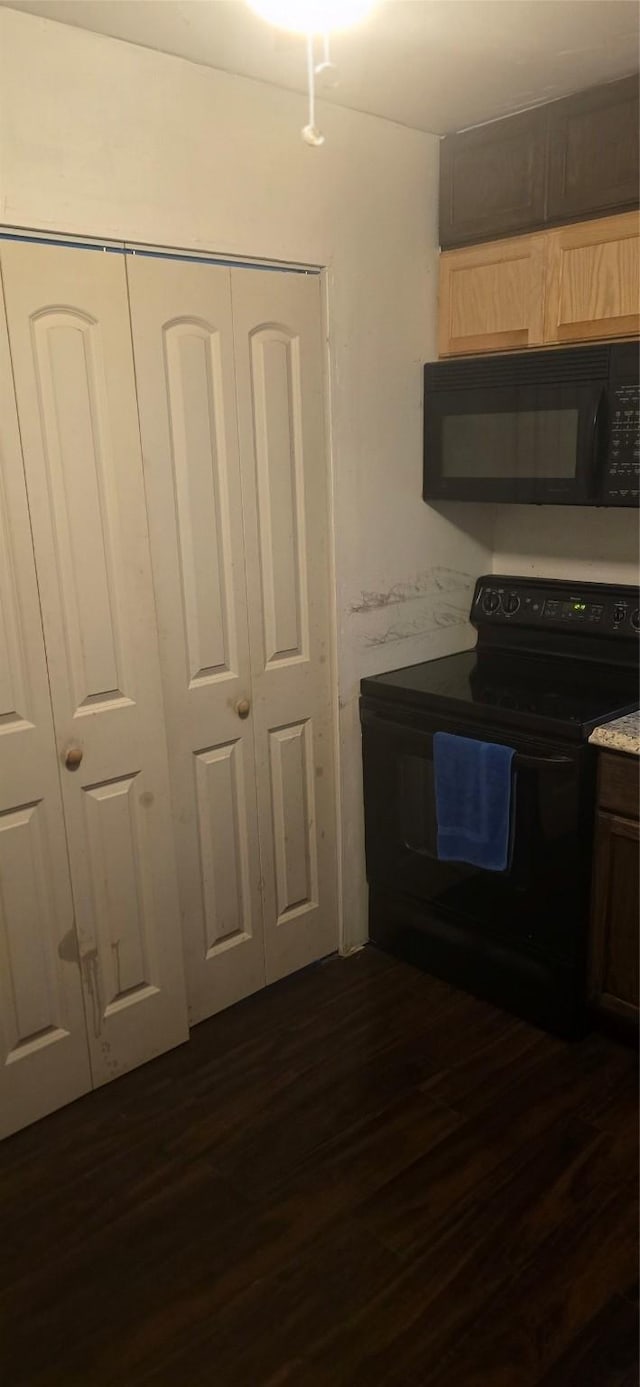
[[102, 138], [586, 543]]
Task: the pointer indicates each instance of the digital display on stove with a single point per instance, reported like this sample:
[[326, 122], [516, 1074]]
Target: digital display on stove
[[572, 610]]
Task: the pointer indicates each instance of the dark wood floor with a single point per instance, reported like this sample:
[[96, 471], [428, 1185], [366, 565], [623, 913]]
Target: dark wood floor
[[360, 1176]]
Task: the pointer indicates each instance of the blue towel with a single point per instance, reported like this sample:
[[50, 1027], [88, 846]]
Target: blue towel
[[473, 800]]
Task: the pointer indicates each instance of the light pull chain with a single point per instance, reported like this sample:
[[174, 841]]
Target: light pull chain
[[310, 133], [326, 55], [327, 68]]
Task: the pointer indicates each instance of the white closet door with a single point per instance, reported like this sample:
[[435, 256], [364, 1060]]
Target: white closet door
[[68, 320], [279, 377], [183, 346], [44, 1059]]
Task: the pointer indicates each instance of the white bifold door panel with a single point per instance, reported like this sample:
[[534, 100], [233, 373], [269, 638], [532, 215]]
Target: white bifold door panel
[[44, 1057], [183, 345], [167, 780], [69, 333], [279, 382], [230, 391]]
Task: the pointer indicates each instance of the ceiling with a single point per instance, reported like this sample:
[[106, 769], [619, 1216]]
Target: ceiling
[[437, 65]]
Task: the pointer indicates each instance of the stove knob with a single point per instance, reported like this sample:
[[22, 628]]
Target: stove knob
[[490, 600], [635, 618], [511, 603]]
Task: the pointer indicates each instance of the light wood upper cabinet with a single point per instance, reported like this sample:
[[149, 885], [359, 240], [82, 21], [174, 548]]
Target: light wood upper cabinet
[[593, 280], [490, 297], [573, 284]]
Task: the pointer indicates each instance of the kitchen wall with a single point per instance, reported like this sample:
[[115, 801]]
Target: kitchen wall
[[101, 138], [594, 545]]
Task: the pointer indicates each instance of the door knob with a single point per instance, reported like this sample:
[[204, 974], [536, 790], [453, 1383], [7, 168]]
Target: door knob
[[73, 757], [243, 708]]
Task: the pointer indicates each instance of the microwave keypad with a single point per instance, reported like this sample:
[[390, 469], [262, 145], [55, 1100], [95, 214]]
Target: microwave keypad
[[623, 462]]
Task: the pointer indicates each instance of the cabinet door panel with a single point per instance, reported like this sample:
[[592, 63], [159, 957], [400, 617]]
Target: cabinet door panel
[[44, 1059], [492, 179], [70, 339], [593, 280], [593, 145], [618, 784], [614, 958], [279, 375], [573, 158], [492, 297], [183, 344]]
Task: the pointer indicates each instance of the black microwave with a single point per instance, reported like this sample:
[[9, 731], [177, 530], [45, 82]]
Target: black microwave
[[553, 427]]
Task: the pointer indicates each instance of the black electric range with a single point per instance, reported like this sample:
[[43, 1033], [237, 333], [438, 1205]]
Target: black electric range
[[553, 660]]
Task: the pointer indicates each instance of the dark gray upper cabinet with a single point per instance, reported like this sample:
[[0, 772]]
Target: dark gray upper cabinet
[[492, 179], [593, 147], [570, 159]]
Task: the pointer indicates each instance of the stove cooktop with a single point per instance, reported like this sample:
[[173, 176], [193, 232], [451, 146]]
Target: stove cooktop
[[553, 696], [553, 657]]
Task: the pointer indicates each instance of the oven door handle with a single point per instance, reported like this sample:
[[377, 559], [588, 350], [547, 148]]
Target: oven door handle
[[536, 763], [520, 761], [379, 722]]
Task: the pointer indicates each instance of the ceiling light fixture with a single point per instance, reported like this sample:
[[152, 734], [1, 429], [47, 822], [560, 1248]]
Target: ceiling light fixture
[[312, 16], [315, 19]]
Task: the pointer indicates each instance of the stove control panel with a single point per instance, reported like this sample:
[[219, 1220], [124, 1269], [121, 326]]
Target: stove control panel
[[598, 609]]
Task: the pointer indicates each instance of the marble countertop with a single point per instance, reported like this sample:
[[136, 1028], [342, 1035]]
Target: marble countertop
[[621, 735]]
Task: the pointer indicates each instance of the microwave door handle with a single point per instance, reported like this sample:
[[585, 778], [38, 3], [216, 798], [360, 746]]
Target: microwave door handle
[[595, 439]]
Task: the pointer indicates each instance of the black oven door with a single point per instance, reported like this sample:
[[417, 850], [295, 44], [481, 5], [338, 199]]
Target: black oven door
[[536, 443], [539, 905]]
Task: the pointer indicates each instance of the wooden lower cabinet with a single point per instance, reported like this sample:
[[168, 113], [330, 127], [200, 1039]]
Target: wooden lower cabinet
[[616, 889]]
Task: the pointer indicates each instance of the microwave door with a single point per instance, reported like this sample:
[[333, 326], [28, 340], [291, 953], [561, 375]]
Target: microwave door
[[480, 444], [517, 443], [566, 448]]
